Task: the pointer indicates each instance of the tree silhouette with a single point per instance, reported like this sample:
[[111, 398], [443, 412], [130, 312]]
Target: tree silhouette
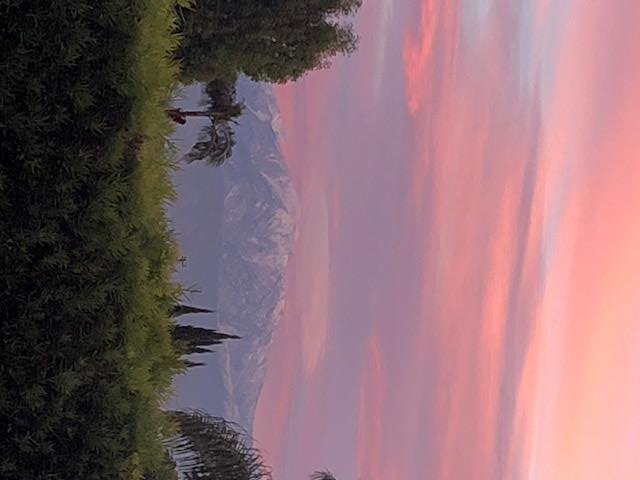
[[215, 140], [189, 339], [214, 145], [193, 339], [213, 448], [322, 475], [182, 309], [274, 41]]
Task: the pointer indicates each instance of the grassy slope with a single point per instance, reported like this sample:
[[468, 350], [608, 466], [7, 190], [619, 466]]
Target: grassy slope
[[86, 254]]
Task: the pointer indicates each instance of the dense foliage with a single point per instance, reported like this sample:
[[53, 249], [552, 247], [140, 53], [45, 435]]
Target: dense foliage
[[322, 475], [214, 448], [267, 40], [89, 345], [85, 251], [216, 140], [189, 339], [211, 447]]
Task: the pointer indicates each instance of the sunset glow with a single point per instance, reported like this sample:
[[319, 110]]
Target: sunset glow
[[463, 297]]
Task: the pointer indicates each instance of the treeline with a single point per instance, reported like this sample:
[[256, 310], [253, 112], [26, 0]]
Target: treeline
[[273, 41], [267, 40]]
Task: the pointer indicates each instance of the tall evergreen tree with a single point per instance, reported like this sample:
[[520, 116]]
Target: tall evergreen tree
[[189, 339], [182, 309], [196, 339], [268, 40]]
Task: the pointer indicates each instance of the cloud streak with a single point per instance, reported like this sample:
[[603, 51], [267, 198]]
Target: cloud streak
[[476, 302]]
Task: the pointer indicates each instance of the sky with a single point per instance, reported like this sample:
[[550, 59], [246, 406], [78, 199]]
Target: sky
[[464, 294]]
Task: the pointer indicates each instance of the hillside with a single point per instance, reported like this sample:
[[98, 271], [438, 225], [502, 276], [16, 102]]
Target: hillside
[[236, 224], [260, 213]]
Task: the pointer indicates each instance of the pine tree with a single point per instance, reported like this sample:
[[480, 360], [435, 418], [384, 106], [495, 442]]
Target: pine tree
[[193, 339], [274, 41]]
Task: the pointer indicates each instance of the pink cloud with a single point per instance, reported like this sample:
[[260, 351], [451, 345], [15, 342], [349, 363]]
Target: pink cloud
[[371, 412], [498, 336], [584, 417]]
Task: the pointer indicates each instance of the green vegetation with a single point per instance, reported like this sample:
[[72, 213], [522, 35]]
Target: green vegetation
[[189, 339], [273, 41], [86, 253], [89, 343], [216, 140], [322, 475], [211, 447]]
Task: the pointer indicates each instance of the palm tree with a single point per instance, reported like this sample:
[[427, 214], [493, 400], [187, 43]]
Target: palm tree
[[213, 448], [214, 145], [216, 449], [216, 140], [322, 475]]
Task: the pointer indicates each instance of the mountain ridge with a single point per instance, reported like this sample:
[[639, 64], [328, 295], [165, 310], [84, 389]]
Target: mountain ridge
[[258, 231]]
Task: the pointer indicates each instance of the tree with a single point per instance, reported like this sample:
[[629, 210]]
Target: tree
[[193, 339], [216, 140], [214, 145], [182, 309], [189, 339], [322, 475], [220, 102], [214, 448], [268, 40], [211, 447]]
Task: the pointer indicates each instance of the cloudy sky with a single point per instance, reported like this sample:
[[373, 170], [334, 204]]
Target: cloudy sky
[[463, 300]]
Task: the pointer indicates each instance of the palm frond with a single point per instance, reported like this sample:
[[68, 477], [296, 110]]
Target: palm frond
[[214, 146], [214, 448], [322, 475]]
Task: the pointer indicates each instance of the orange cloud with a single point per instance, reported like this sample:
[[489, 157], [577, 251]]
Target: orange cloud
[[371, 412], [416, 54], [577, 402], [520, 222], [437, 24], [586, 423], [475, 195], [437, 27]]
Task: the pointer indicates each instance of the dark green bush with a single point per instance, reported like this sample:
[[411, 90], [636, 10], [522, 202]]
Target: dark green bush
[[85, 251]]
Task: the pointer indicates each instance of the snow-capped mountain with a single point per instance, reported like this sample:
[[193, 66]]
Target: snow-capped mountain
[[258, 231]]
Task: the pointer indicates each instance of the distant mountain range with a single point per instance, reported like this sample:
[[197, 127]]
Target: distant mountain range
[[258, 231]]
